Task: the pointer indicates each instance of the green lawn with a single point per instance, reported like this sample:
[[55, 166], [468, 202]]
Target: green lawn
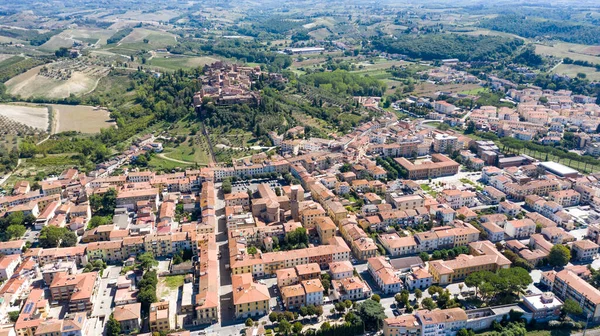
[[158, 163], [174, 281]]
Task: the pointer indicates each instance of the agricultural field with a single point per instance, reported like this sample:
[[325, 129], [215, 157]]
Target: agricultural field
[[57, 80], [81, 118], [4, 57], [141, 16], [571, 50], [28, 114], [572, 70], [174, 62], [68, 37], [156, 39], [429, 89]]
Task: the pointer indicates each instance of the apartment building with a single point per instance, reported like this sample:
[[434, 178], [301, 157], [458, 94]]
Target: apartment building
[[159, 316], [404, 325], [584, 250], [520, 228], [456, 198], [341, 270], [314, 292], [384, 275], [568, 285], [441, 322], [326, 229], [398, 246], [249, 298], [78, 289], [352, 289], [484, 256], [439, 165], [129, 317], [566, 198], [293, 296]]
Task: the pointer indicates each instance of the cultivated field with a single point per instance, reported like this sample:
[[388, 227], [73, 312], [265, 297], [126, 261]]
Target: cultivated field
[[5, 57], [68, 37], [85, 119], [571, 50], [30, 115], [572, 70], [57, 80], [155, 38], [174, 62]]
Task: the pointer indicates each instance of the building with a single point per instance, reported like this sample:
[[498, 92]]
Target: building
[[325, 228], [384, 275], [129, 317], [559, 169], [249, 298], [341, 270], [159, 317], [352, 289], [441, 322], [568, 285], [584, 250], [78, 289], [8, 264], [398, 246], [484, 257], [405, 325], [443, 143], [544, 307], [293, 296], [520, 228], [440, 165], [418, 278], [314, 292]]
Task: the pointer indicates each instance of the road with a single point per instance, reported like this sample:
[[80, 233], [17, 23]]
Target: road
[[7, 176]]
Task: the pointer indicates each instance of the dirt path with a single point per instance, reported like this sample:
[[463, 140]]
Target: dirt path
[[163, 156], [53, 127], [7, 176]]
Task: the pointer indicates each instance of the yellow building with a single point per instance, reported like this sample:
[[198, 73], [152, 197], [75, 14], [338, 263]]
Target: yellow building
[[484, 257], [159, 316], [325, 228], [249, 298]]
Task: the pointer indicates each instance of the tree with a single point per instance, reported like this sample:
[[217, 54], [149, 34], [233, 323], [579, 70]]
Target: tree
[[340, 307], [113, 327], [303, 311], [297, 327], [97, 221], [310, 310], [15, 231], [424, 256], [273, 317], [252, 250], [428, 303], [372, 313], [465, 332], [571, 307], [418, 294], [249, 322], [147, 260], [146, 297], [348, 304], [52, 236], [318, 311], [285, 327], [325, 283], [559, 255], [376, 297]]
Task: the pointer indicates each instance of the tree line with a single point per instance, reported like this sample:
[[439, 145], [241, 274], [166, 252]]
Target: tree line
[[442, 46], [531, 27]]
